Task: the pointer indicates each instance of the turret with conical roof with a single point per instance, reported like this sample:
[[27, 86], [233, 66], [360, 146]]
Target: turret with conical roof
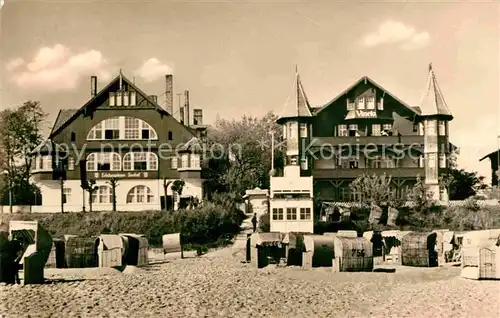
[[434, 117], [433, 103], [297, 129]]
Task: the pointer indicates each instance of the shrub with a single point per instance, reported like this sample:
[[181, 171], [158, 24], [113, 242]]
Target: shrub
[[209, 224], [265, 223]]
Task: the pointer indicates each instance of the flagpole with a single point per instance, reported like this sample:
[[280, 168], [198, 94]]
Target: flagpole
[[272, 151]]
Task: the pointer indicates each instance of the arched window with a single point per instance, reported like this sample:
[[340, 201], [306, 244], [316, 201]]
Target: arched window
[[140, 161], [102, 195], [122, 128], [104, 161], [140, 194]]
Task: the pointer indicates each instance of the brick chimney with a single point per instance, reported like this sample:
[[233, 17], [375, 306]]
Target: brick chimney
[[197, 117], [169, 93], [186, 108], [93, 86]]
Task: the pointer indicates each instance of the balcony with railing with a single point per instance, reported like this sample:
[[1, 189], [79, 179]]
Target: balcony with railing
[[342, 173]]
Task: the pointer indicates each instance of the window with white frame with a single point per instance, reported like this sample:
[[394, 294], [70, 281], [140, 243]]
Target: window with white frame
[[278, 214], [112, 129], [133, 98], [194, 160], [103, 161], [361, 103], [442, 160], [140, 194], [353, 130], [420, 129], [71, 163], [43, 163], [305, 213], [174, 162], [304, 164], [421, 161], [112, 99], [122, 128], [350, 105], [370, 102], [431, 127], [303, 130], [342, 130], [140, 161], [442, 128], [376, 130], [185, 160], [382, 162], [386, 130], [66, 195], [103, 195], [291, 213], [118, 98], [349, 163], [132, 128], [380, 104], [126, 98]]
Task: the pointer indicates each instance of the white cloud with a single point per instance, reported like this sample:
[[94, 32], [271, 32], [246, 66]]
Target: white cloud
[[14, 64], [153, 69], [58, 68], [392, 32]]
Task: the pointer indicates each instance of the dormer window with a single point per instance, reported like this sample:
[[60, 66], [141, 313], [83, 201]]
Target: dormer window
[[361, 103], [112, 99], [125, 99], [370, 102], [380, 104], [350, 105], [118, 98], [133, 98]]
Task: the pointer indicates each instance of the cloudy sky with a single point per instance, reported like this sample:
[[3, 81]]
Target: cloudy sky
[[238, 58]]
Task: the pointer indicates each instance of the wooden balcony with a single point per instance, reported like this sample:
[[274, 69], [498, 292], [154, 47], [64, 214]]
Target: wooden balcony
[[354, 173], [364, 140]]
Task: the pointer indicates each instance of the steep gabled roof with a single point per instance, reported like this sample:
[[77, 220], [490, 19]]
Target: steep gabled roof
[[298, 105], [490, 155], [63, 122], [433, 102], [365, 79], [63, 116]]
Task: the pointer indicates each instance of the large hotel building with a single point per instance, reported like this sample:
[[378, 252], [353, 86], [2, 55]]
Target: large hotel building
[[364, 130], [121, 134]]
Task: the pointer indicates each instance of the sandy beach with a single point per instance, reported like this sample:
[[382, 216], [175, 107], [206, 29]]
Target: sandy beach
[[219, 285]]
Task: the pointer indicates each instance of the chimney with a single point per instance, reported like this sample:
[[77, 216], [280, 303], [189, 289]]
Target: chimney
[[186, 108], [154, 98], [169, 94], [198, 117], [181, 114], [93, 86]]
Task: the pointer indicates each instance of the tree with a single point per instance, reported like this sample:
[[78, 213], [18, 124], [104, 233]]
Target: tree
[[422, 200], [20, 134], [177, 187], [462, 184], [375, 189], [243, 150], [113, 182], [91, 188]]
